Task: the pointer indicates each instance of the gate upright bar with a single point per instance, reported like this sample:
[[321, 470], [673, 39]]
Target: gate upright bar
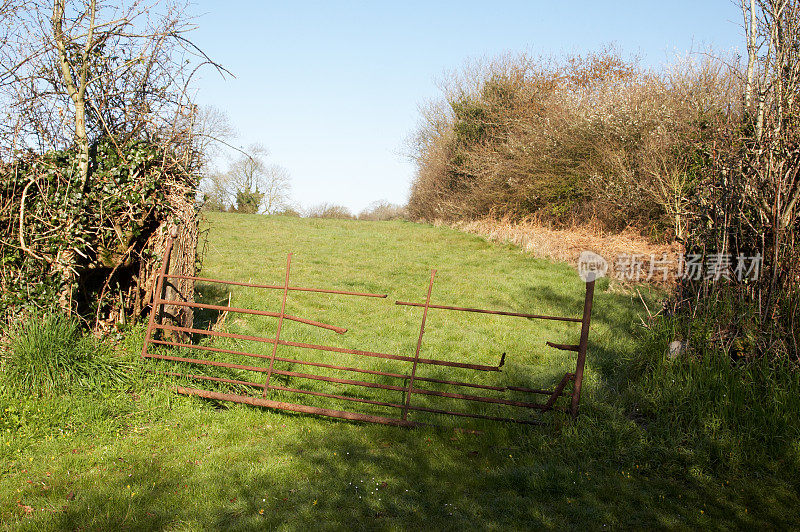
[[158, 290], [584, 341], [280, 323], [419, 345]]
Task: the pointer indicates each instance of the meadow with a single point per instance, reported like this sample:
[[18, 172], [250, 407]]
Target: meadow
[[659, 443]]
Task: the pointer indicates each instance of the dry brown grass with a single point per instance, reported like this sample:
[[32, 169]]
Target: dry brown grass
[[566, 245]]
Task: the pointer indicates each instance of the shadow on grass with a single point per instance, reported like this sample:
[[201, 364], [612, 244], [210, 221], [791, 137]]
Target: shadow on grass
[[211, 294], [268, 470], [300, 472]]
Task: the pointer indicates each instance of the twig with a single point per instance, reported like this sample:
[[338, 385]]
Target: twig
[[24, 247]]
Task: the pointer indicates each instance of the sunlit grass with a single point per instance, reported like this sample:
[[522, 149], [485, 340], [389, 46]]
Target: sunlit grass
[[658, 444]]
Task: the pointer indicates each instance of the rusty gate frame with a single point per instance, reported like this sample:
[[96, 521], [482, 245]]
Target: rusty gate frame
[[158, 303]]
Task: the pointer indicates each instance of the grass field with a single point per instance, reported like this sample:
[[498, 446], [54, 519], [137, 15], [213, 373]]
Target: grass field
[[658, 444]]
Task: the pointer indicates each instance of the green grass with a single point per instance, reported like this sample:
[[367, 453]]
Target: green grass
[[658, 444], [49, 354]]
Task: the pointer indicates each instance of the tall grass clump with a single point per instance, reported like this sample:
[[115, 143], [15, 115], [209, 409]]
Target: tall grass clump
[[48, 354], [730, 413]]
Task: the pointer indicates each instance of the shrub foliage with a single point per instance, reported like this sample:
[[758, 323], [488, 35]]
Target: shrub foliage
[[106, 238], [592, 136]]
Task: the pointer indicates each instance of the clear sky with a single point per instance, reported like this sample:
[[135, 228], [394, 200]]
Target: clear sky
[[332, 88]]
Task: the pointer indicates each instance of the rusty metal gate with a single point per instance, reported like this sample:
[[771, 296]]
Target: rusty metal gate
[[408, 383]]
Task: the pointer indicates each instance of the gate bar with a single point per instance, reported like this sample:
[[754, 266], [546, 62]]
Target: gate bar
[[356, 399], [157, 291], [287, 343], [563, 347], [483, 311], [559, 389], [582, 345], [280, 322], [346, 398], [419, 345], [340, 330], [357, 370], [363, 384], [297, 288], [259, 401]]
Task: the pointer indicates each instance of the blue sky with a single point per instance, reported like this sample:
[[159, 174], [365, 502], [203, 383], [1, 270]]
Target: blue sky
[[332, 88]]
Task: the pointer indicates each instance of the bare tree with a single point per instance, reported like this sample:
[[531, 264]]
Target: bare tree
[[276, 189], [214, 134], [250, 184], [77, 71], [751, 33]]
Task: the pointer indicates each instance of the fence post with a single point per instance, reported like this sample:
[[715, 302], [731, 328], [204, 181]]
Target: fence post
[[585, 322]]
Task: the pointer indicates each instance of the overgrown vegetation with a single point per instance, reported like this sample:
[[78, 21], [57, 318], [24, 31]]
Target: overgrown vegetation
[[111, 232], [91, 436], [704, 153], [98, 156], [588, 136], [748, 200]]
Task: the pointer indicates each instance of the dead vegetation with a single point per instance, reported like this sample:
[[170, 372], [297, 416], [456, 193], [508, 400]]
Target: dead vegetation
[[99, 154], [586, 136], [565, 244]]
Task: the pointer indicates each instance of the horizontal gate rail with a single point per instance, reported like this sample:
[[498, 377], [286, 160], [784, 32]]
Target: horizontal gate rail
[[354, 369], [284, 389], [189, 391], [340, 330], [276, 287], [433, 362], [364, 384], [291, 407], [483, 311], [410, 380]]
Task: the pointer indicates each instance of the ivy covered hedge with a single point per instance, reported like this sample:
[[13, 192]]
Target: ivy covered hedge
[[92, 250]]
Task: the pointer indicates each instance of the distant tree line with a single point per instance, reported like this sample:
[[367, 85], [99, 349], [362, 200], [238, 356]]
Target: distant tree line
[[250, 185]]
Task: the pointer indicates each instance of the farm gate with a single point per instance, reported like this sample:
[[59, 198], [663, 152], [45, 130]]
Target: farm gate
[[408, 384]]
